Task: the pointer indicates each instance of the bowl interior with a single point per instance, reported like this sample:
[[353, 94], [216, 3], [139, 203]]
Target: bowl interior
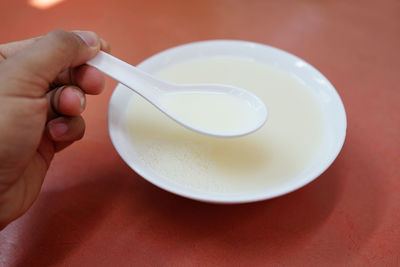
[[333, 109]]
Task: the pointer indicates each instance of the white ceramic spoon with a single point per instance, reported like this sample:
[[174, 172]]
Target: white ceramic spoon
[[160, 93]]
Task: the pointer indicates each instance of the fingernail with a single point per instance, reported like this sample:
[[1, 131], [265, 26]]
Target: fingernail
[[58, 129], [79, 94], [89, 38]]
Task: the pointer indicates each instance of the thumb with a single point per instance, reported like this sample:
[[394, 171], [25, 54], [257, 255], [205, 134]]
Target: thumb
[[33, 68]]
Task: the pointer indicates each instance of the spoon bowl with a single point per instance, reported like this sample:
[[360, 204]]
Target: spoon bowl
[[211, 109]]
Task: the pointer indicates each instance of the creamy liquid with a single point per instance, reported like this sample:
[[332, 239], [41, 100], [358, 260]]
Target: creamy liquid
[[215, 113], [283, 147]]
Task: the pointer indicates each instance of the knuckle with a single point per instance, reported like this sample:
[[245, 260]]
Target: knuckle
[[60, 35], [66, 42]]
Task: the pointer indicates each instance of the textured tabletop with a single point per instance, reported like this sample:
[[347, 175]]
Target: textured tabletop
[[95, 211]]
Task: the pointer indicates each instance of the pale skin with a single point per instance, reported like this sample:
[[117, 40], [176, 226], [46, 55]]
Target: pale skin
[[43, 83]]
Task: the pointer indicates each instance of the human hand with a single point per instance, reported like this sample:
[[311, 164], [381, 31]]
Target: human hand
[[43, 82]]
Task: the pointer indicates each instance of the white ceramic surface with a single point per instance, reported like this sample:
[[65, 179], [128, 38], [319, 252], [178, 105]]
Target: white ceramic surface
[[304, 72]]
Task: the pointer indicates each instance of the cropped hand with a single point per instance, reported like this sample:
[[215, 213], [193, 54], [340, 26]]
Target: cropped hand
[[43, 82]]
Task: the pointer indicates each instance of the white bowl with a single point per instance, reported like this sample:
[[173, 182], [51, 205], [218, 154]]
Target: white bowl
[[333, 108]]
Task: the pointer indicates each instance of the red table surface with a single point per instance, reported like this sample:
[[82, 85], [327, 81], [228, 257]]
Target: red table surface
[[95, 211]]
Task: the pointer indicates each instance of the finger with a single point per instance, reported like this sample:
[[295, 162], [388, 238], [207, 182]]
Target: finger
[[58, 146], [66, 100], [92, 82], [88, 78], [105, 46], [38, 65], [10, 49], [66, 129]]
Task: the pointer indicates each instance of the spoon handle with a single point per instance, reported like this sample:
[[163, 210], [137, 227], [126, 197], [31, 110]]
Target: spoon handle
[[130, 76]]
